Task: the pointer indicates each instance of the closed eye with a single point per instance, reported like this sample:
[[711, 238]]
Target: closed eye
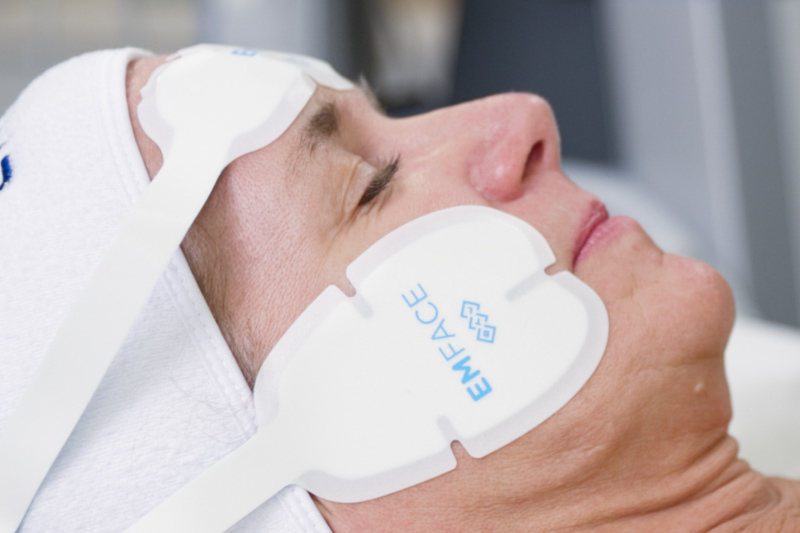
[[379, 182]]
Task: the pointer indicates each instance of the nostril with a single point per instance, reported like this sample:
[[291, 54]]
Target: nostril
[[535, 157]]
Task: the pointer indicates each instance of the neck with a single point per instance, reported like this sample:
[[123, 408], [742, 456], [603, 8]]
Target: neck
[[720, 493]]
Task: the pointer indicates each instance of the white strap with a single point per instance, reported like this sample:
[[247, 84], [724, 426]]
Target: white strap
[[227, 492]]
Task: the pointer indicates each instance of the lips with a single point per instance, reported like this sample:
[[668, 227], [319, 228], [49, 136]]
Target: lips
[[594, 216]]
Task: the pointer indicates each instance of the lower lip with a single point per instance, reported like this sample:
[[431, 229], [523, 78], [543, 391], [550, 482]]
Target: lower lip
[[605, 233]]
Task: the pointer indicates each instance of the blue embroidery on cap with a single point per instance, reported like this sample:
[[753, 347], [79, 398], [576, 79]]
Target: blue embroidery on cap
[[5, 165]]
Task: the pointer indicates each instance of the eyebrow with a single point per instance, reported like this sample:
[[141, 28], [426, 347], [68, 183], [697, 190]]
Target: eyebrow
[[323, 125]]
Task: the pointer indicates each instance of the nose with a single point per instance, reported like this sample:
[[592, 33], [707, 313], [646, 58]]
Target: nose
[[508, 140]]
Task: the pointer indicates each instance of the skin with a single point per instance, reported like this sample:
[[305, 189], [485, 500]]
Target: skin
[[642, 447]]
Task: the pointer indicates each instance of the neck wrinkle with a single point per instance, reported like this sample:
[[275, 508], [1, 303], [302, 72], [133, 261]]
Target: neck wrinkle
[[726, 495]]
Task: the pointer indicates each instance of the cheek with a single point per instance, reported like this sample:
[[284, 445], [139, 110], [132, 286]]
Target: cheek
[[661, 385], [670, 318]]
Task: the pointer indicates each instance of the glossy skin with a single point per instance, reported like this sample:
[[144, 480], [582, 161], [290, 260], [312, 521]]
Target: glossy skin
[[642, 447]]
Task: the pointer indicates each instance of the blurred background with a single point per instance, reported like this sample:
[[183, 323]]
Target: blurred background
[[682, 113]]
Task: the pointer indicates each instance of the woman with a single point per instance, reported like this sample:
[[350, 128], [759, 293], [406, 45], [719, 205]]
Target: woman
[[643, 446]]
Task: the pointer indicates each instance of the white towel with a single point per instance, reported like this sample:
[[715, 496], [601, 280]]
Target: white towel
[[173, 401]]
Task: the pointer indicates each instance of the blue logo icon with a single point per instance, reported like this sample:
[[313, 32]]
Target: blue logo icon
[[5, 166], [478, 321]]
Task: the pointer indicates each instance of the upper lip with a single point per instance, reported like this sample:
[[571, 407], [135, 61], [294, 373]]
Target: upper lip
[[594, 215]]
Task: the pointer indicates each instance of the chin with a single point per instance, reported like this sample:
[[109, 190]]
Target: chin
[[676, 303], [706, 299]]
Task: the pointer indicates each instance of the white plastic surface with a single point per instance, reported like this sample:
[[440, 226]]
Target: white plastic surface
[[206, 107], [455, 333]]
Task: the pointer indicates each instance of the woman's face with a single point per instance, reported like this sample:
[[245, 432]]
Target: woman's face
[[285, 221], [344, 175]]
